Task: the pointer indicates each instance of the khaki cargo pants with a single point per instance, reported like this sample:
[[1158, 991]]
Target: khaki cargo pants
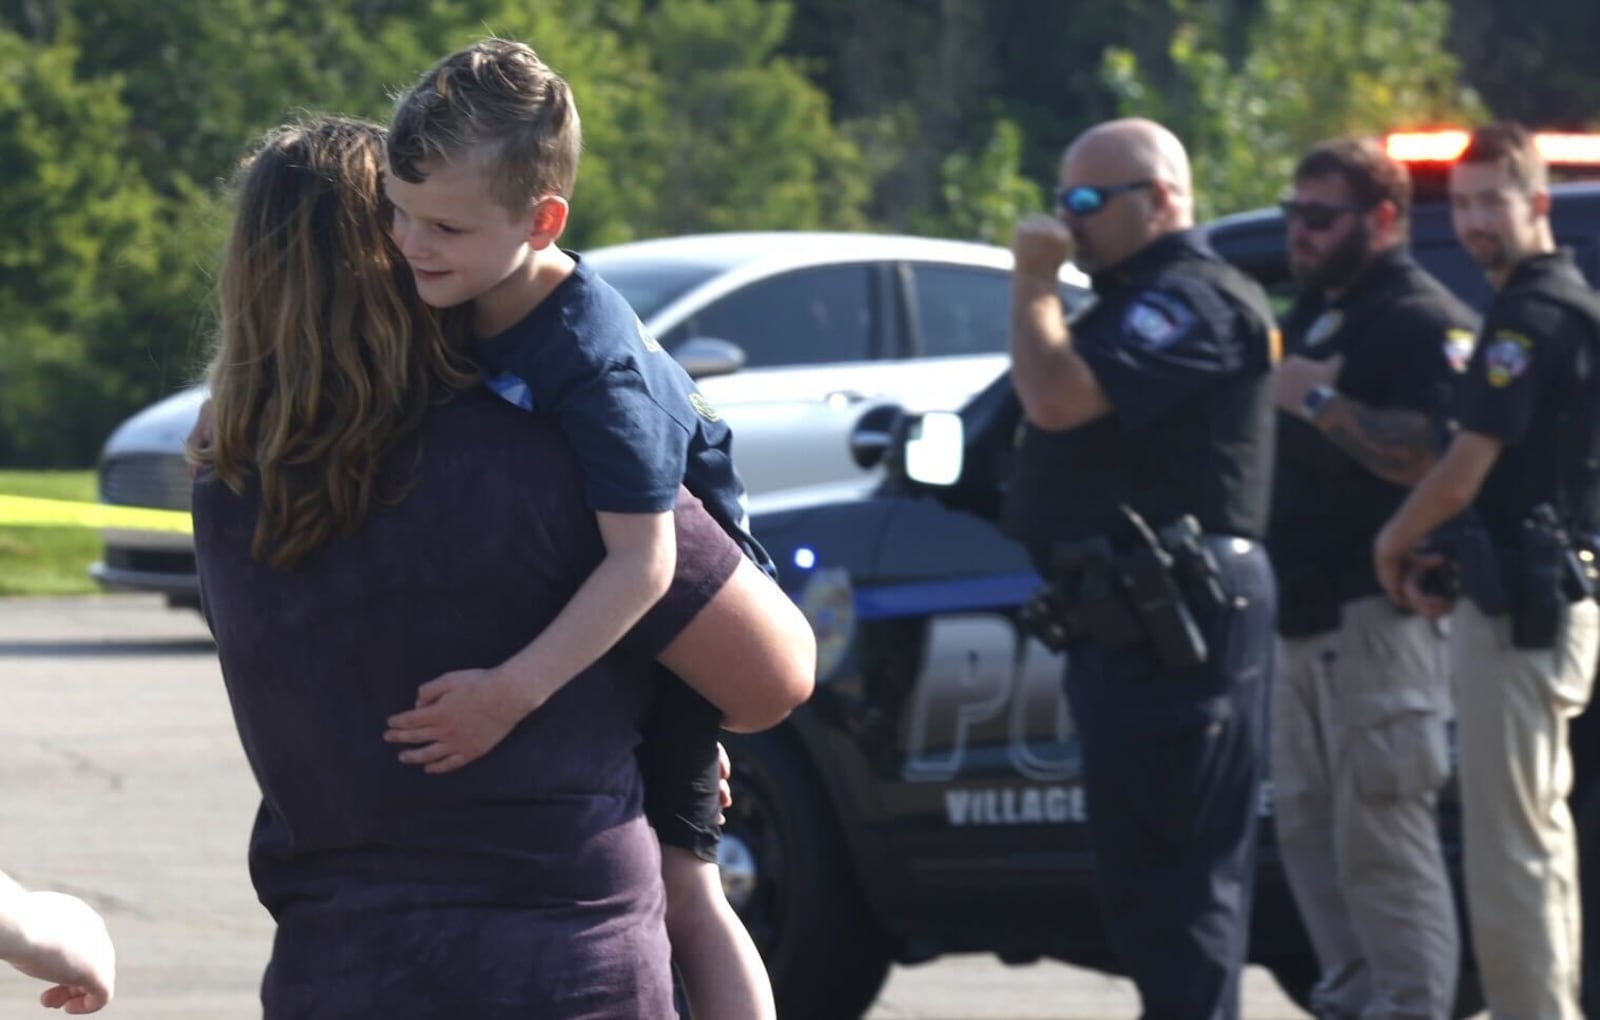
[[1359, 753], [1513, 707]]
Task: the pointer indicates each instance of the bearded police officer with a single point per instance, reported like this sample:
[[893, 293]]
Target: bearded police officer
[[1141, 492], [1524, 636], [1361, 699]]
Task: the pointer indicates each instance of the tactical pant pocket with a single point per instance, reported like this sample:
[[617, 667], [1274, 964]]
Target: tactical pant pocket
[[1398, 748]]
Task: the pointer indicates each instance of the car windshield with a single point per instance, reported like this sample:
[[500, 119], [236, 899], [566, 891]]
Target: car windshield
[[650, 286]]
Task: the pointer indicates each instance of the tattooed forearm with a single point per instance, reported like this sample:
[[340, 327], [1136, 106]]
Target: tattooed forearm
[[1396, 445]]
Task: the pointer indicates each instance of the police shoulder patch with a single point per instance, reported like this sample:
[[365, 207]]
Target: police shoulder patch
[[1156, 320], [1324, 327], [1458, 345], [1507, 357]]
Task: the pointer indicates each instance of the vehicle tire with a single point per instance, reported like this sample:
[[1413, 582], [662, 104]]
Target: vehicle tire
[[802, 904], [1299, 975]]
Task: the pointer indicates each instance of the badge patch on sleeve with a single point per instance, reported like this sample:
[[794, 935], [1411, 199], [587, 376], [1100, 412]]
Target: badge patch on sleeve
[[1155, 320], [1458, 344], [1507, 358]]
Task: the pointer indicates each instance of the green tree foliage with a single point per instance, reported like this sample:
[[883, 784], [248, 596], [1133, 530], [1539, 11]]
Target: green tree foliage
[[1532, 62], [80, 235], [1313, 69], [121, 119], [983, 194], [742, 133]]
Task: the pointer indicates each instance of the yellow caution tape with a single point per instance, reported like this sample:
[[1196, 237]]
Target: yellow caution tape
[[30, 512]]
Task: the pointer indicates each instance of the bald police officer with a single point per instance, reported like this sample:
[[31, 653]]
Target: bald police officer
[[1361, 699], [1149, 412], [1524, 638]]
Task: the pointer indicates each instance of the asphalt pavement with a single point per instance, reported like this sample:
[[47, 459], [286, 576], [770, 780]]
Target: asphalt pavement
[[122, 782]]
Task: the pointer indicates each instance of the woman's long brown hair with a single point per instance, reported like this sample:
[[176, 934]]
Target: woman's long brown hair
[[326, 358]]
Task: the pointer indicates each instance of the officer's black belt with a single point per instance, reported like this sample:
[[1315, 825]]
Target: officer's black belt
[[1140, 587]]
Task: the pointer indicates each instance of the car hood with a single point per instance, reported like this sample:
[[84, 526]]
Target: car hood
[[159, 428]]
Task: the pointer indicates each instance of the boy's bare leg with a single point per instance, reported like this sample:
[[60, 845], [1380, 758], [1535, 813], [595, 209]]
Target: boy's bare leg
[[723, 975]]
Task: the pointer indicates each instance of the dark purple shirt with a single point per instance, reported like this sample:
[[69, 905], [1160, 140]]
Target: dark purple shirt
[[525, 884]]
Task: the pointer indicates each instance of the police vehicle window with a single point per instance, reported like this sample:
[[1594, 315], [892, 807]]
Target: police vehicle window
[[807, 317], [1450, 263], [1271, 270], [961, 311]]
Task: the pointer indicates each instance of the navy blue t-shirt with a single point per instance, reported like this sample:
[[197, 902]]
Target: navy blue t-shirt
[[637, 424], [526, 885]]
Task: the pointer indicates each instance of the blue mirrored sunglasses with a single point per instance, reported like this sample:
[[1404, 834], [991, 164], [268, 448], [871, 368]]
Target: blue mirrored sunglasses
[[1086, 200]]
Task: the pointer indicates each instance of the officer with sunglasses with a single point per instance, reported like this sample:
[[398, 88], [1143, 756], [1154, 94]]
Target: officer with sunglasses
[[1141, 492], [1361, 699]]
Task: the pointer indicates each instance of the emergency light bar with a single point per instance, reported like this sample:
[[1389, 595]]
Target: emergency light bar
[[1558, 149]]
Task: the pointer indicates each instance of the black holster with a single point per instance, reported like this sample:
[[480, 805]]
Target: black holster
[[1143, 595], [1532, 582], [1551, 574]]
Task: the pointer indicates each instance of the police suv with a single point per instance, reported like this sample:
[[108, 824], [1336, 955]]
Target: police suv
[[927, 800]]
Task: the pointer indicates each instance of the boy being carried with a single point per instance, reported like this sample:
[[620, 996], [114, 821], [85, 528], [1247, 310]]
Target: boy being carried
[[483, 154]]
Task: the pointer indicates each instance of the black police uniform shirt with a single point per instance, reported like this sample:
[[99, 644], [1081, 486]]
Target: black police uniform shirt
[[1404, 338], [1524, 388], [639, 426], [1181, 344]]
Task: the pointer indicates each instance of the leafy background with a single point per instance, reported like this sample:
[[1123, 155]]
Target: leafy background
[[121, 119]]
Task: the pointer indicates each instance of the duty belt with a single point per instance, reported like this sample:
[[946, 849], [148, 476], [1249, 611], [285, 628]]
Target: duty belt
[[1120, 595]]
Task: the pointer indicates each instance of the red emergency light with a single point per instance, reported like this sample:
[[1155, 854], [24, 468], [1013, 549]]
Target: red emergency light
[[1558, 148]]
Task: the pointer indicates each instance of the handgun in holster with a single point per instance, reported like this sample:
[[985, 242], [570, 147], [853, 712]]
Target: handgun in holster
[[1082, 597], [1150, 575], [1133, 598], [1551, 573], [1048, 619], [1193, 564]]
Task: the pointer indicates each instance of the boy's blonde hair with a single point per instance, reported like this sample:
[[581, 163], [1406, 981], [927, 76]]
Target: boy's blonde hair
[[497, 102]]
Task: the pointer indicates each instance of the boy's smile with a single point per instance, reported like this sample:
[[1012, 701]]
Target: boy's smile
[[460, 243]]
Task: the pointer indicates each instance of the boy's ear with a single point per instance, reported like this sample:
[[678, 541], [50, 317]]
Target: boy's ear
[[549, 220]]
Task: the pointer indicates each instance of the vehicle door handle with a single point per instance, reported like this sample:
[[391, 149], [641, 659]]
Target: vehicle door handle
[[844, 398]]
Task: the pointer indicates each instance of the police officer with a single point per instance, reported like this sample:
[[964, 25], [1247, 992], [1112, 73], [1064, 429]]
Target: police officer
[[1361, 698], [1154, 405], [1524, 638]]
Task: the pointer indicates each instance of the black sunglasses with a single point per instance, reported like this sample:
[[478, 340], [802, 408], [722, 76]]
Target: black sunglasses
[[1317, 215], [1086, 200]]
